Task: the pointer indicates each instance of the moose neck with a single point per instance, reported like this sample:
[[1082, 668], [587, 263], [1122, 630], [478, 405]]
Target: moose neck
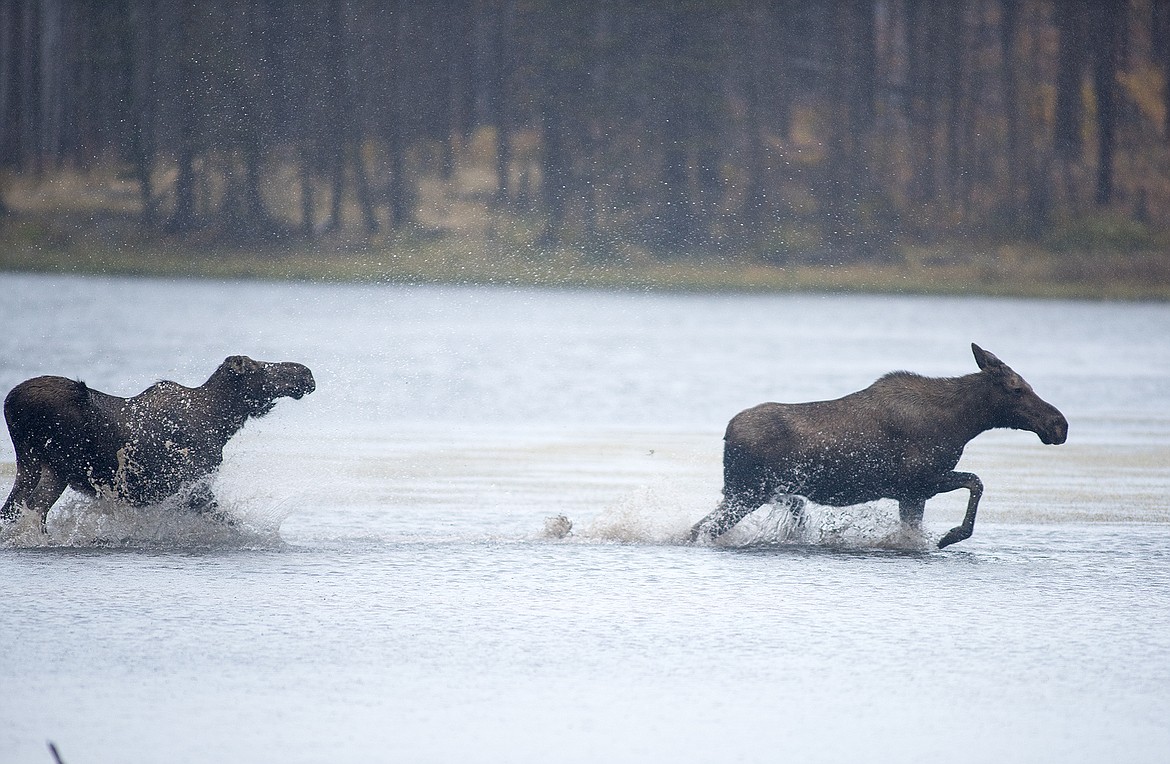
[[226, 407], [971, 405]]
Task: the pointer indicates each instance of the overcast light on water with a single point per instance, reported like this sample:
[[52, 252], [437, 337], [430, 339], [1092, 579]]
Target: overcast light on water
[[394, 589]]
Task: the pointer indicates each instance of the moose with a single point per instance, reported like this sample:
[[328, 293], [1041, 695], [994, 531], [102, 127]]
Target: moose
[[900, 438], [140, 450]]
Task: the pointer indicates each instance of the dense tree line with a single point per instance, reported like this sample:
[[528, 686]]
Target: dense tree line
[[779, 126]]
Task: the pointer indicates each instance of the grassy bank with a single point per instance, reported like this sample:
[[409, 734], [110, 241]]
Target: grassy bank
[[88, 223], [508, 257]]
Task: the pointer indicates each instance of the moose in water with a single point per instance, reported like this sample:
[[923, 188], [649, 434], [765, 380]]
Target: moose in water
[[900, 438], [139, 450]]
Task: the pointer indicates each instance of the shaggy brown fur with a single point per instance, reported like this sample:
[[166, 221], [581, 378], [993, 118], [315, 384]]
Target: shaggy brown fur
[[140, 450], [900, 438]]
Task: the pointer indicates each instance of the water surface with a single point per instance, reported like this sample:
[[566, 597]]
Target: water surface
[[391, 593]]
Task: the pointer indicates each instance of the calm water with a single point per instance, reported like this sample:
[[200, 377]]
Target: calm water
[[393, 594]]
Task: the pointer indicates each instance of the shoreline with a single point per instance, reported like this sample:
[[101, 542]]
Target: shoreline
[[1003, 270]]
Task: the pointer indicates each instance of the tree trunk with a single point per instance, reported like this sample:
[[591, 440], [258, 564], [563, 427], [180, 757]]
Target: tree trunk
[[923, 31], [183, 215], [1109, 20], [864, 98], [8, 93], [362, 186], [555, 167], [1009, 12], [501, 111], [30, 115], [1161, 27], [307, 202], [398, 190], [953, 28], [337, 62], [1066, 131], [143, 87], [755, 76], [598, 82]]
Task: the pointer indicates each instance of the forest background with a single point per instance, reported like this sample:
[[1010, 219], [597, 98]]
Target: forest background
[[999, 146]]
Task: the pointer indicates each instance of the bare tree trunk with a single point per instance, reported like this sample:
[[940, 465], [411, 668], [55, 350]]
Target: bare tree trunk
[[362, 186], [8, 26], [501, 108], [1066, 131], [923, 22], [1110, 17], [1009, 19], [306, 180], [754, 166], [338, 80], [864, 107], [1161, 26], [8, 92], [399, 191], [183, 215], [30, 116], [336, 188], [599, 74], [953, 29], [143, 75], [555, 175], [52, 62]]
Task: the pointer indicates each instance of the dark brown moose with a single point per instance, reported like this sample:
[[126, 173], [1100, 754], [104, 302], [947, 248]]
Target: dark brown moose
[[140, 450], [900, 438]]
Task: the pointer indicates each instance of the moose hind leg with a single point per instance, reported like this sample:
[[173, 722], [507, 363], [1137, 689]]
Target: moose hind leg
[[28, 474], [44, 496], [795, 505], [723, 519], [911, 511], [971, 482], [203, 502]]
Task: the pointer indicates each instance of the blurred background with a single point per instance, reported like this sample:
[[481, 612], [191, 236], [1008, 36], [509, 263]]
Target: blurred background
[[1003, 145]]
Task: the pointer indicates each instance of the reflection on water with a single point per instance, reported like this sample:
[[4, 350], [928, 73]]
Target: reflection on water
[[391, 586]]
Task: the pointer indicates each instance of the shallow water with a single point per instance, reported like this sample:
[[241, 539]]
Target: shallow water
[[394, 591]]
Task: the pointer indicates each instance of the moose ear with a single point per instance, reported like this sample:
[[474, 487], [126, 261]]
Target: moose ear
[[988, 362], [238, 364]]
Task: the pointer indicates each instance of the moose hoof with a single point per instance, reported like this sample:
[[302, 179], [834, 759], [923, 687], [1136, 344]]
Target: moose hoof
[[700, 534], [954, 535]]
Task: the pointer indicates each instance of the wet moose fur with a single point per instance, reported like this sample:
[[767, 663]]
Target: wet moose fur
[[140, 450], [900, 438]]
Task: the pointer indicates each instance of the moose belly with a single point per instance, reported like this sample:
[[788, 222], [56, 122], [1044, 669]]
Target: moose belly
[[841, 480], [150, 475]]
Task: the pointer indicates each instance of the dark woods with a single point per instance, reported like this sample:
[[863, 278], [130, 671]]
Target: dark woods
[[782, 128]]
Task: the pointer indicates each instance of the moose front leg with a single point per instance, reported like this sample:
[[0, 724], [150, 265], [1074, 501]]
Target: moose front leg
[[910, 511], [955, 481]]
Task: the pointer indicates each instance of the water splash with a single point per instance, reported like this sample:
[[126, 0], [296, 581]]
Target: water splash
[[655, 515], [651, 515], [81, 522], [864, 526]]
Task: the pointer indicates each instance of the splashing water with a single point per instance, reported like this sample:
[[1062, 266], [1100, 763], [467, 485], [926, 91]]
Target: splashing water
[[656, 515], [78, 521], [864, 526]]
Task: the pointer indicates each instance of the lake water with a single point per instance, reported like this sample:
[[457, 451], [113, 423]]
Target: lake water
[[393, 590]]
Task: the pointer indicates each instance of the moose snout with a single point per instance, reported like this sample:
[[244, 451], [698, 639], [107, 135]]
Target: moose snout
[[1059, 432], [308, 385], [299, 380], [1055, 430]]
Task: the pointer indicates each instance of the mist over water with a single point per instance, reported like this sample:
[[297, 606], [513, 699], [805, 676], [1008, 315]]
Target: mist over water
[[469, 542]]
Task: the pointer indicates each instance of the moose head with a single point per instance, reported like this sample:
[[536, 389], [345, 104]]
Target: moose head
[[258, 384], [1017, 404]]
